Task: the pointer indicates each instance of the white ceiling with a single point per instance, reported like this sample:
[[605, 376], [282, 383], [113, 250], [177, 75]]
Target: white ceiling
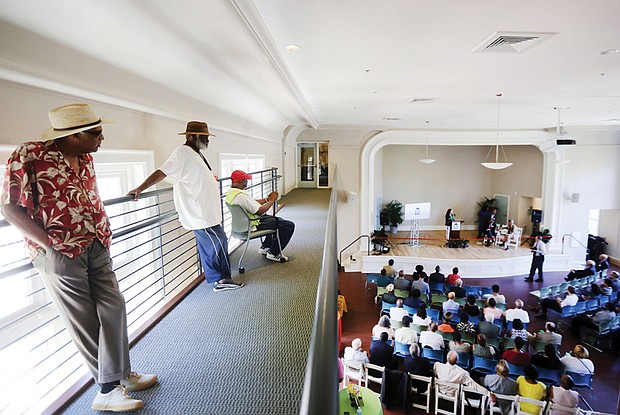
[[360, 60]]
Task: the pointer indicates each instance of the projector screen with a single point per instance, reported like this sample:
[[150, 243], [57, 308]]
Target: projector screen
[[415, 211]]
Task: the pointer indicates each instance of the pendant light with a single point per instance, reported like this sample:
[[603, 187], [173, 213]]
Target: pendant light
[[497, 165], [426, 160]]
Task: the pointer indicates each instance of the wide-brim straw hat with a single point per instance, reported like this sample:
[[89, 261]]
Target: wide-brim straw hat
[[197, 127], [71, 119]]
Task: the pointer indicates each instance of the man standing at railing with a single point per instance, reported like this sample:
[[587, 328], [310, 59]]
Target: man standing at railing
[[197, 200], [50, 195], [257, 209]]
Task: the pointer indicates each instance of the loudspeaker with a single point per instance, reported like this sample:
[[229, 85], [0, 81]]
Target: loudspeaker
[[565, 142], [384, 218], [351, 197], [536, 216]]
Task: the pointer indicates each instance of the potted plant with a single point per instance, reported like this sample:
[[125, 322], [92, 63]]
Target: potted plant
[[394, 210], [379, 238]]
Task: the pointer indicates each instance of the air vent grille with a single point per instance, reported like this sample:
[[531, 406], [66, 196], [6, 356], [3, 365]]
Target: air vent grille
[[391, 118], [416, 100], [513, 42]]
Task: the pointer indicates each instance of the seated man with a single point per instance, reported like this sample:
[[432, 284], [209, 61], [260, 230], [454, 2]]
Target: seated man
[[487, 327], [589, 269], [256, 209], [547, 336], [414, 300], [517, 312], [450, 372], [389, 296], [355, 352], [437, 278], [450, 304], [406, 334], [398, 312], [557, 304], [606, 315], [430, 338], [458, 290], [401, 283], [389, 269], [506, 233], [603, 263], [381, 353], [419, 284]]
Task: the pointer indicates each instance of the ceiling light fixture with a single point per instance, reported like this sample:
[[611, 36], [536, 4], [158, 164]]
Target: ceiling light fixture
[[609, 51], [427, 160], [292, 47], [497, 165]]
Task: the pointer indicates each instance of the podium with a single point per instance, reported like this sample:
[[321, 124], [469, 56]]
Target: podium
[[455, 229]]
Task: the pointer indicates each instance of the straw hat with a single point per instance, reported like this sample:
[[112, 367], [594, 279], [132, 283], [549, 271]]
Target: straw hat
[[197, 127], [71, 119]]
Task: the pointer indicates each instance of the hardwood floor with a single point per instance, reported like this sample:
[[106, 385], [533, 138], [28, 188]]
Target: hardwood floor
[[363, 315]]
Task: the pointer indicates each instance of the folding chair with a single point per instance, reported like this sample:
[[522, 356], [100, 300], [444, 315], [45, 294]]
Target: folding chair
[[464, 360], [433, 355], [401, 349], [581, 380], [549, 377], [242, 229], [433, 313], [522, 399], [474, 399], [565, 409], [436, 287], [484, 366], [353, 370], [369, 378], [410, 310], [515, 370], [447, 391], [496, 407], [415, 380]]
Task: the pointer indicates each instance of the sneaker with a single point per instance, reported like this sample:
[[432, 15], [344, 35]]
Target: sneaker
[[277, 258], [137, 382], [226, 286], [529, 279], [116, 401], [263, 251], [538, 280]]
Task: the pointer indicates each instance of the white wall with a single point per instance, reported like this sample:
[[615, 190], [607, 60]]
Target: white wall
[[609, 228]]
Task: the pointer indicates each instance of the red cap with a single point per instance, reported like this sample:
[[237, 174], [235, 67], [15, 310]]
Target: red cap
[[239, 175]]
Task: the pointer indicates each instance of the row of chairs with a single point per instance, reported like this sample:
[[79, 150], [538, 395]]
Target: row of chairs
[[458, 397]]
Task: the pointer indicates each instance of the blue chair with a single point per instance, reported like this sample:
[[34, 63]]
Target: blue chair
[[482, 365], [581, 380], [549, 377], [515, 370], [456, 318], [433, 313], [401, 349], [603, 299], [464, 360], [436, 287], [385, 307], [592, 304], [580, 307], [485, 292], [472, 290], [433, 355], [499, 323], [509, 326], [390, 341], [474, 320], [544, 292], [410, 310]]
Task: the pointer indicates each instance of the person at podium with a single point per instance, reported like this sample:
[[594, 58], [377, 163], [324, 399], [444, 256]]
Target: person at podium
[[449, 219]]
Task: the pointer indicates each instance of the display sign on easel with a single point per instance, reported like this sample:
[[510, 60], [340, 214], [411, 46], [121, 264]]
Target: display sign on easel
[[414, 212]]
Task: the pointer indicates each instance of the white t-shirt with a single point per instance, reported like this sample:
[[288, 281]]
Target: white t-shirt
[[397, 313], [406, 335], [196, 192], [519, 313]]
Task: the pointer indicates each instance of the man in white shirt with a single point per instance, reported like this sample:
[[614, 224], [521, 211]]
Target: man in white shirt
[[406, 334], [557, 304], [398, 312], [450, 305], [538, 258], [517, 312], [355, 352], [431, 338], [197, 200], [256, 209], [450, 372]]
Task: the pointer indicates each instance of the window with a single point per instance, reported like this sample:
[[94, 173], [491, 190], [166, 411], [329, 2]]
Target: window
[[593, 221], [245, 162]]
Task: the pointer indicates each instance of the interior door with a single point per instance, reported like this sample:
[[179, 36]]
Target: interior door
[[306, 165], [501, 203]]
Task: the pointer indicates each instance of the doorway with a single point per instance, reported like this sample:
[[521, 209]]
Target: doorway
[[501, 203], [312, 165]]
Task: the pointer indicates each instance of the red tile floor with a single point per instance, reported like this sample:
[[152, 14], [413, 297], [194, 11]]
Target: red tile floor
[[363, 315]]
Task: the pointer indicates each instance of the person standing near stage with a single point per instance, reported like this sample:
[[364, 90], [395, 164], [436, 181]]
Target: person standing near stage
[[538, 257], [197, 200], [449, 219], [50, 195]]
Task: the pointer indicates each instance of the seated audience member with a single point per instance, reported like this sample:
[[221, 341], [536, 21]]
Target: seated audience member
[[614, 278], [517, 312], [419, 271], [414, 300], [501, 384], [401, 275], [450, 372], [446, 325], [578, 361], [529, 387], [420, 285], [510, 229], [450, 305], [487, 327], [383, 325], [417, 365], [381, 353], [355, 352], [401, 283], [591, 293], [406, 334], [458, 289], [465, 326], [548, 335], [389, 269], [518, 330], [491, 309], [547, 359], [563, 395], [420, 318], [471, 307], [398, 312], [603, 263], [389, 296], [556, 304], [499, 298], [451, 278], [384, 280], [430, 338], [481, 349], [607, 287], [589, 269], [457, 344], [438, 278], [516, 356], [490, 232]]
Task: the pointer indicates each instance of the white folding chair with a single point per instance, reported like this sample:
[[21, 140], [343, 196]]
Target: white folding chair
[[353, 371], [447, 391], [555, 406], [496, 407], [426, 395], [368, 378], [523, 399], [474, 399], [514, 239]]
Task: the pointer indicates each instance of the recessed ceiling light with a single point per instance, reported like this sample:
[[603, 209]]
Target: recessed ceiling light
[[610, 51], [292, 47]]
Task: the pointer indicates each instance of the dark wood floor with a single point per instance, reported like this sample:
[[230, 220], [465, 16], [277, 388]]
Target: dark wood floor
[[363, 315]]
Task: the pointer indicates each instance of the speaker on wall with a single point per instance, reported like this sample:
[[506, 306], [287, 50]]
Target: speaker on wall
[[536, 216]]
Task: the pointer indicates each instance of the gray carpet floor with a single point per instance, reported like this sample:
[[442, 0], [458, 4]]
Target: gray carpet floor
[[242, 351]]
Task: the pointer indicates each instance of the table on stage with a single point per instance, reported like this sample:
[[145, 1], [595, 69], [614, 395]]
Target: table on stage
[[372, 404]]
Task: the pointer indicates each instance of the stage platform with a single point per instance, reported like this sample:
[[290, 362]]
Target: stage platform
[[476, 260]]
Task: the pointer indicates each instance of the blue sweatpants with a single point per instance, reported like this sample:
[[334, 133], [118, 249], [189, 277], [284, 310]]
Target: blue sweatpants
[[213, 249]]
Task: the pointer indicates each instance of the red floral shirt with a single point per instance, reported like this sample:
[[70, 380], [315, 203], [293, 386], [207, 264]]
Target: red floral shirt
[[64, 203]]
